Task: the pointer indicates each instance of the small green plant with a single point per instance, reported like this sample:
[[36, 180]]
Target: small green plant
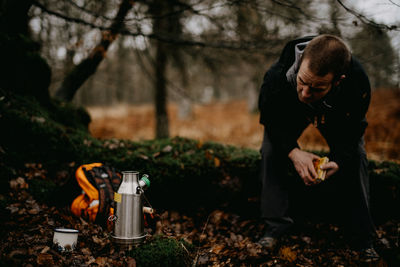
[[164, 252]]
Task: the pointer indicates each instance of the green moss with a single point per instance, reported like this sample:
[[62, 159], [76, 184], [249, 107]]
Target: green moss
[[33, 133], [164, 252], [184, 173]]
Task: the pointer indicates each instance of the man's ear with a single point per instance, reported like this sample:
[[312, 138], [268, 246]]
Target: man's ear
[[340, 80]]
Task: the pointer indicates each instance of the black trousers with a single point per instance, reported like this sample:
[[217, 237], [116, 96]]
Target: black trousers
[[351, 187]]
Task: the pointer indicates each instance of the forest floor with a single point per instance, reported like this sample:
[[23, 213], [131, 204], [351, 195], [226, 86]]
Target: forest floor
[[219, 237]]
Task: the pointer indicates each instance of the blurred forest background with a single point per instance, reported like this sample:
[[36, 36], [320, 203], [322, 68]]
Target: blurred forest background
[[163, 68], [159, 68]]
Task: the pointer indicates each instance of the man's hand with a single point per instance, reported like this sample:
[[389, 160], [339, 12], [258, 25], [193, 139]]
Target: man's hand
[[303, 163], [331, 168]]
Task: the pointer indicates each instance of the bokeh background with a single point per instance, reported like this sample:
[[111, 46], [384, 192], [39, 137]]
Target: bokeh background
[[193, 68]]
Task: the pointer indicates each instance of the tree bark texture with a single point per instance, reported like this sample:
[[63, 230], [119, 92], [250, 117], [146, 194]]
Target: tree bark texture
[[22, 68], [75, 79], [14, 16], [160, 27], [166, 22], [162, 123]]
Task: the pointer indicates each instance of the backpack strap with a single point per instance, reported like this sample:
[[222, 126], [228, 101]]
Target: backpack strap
[[86, 183], [114, 176], [105, 179]]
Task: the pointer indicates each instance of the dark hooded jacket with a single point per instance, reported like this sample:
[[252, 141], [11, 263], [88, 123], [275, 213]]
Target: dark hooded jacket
[[340, 115]]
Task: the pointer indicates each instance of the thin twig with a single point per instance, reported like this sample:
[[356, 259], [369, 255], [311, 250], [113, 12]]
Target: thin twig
[[394, 3], [198, 249], [368, 21], [88, 11]]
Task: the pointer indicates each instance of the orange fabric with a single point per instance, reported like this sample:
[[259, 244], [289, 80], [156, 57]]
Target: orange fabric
[[89, 189], [80, 205]]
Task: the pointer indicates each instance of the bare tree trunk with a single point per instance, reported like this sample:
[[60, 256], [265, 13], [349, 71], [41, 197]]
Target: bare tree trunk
[[121, 85], [74, 80], [162, 124], [22, 69], [160, 27]]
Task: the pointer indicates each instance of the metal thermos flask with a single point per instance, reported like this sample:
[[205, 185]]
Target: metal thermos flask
[[128, 213]]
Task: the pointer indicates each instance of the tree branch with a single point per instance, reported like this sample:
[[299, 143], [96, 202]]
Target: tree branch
[[74, 80], [394, 3], [67, 18], [231, 45], [368, 21], [88, 11]]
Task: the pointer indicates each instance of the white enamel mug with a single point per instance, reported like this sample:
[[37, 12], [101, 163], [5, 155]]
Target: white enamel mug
[[65, 239]]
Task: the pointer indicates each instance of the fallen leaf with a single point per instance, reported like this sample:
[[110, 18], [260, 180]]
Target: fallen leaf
[[167, 149], [18, 183], [33, 211], [45, 249], [217, 162], [131, 262], [101, 261], [17, 252], [306, 239], [143, 157], [285, 253], [97, 240], [12, 209], [199, 144], [217, 249], [86, 251], [91, 260], [45, 259], [38, 119], [209, 154]]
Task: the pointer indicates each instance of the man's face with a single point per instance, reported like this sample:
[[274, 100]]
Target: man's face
[[310, 87]]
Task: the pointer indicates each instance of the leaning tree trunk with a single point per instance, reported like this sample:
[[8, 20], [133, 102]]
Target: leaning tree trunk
[[74, 80]]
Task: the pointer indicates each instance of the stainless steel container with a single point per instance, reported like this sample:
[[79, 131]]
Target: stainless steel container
[[128, 214]]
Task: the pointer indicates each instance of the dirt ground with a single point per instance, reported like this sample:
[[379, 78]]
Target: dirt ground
[[231, 123]]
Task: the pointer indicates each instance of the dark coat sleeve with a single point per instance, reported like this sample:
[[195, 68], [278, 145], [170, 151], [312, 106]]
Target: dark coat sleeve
[[278, 114], [350, 121]]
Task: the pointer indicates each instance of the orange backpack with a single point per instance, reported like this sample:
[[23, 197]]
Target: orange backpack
[[98, 183]]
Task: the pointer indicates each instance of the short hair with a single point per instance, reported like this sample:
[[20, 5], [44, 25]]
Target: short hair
[[327, 54]]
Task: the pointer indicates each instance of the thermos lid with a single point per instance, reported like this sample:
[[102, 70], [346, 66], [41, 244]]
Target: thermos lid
[[146, 180]]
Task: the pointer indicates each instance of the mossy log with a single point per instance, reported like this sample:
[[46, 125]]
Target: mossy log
[[184, 173]]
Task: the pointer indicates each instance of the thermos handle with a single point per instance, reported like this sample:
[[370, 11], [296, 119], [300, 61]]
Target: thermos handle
[[112, 218], [148, 210]]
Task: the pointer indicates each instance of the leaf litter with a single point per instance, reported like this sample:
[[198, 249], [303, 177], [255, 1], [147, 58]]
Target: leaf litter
[[220, 238]]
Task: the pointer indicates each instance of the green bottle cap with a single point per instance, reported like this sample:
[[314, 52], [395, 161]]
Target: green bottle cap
[[146, 180]]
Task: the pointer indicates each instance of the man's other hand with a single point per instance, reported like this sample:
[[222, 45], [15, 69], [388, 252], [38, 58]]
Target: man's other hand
[[303, 163], [331, 168]]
